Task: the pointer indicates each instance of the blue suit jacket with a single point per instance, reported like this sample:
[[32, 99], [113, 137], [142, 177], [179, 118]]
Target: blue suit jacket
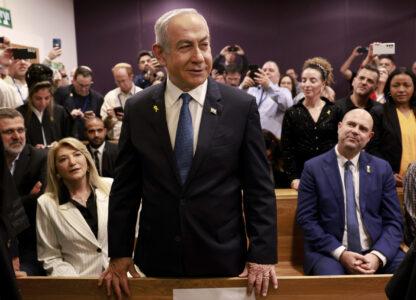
[[321, 212], [196, 229]]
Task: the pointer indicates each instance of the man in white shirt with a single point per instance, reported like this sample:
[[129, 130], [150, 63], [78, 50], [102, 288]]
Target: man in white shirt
[[272, 100], [16, 78], [114, 101], [348, 207]]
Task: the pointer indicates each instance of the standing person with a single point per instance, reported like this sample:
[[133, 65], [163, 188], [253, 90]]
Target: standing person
[[147, 66], [114, 100], [187, 148], [395, 130], [45, 121], [272, 100], [310, 126], [80, 99]]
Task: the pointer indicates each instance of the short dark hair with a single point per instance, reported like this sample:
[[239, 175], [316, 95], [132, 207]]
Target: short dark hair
[[389, 57], [293, 91], [370, 68], [396, 72], [232, 68], [143, 53], [84, 71]]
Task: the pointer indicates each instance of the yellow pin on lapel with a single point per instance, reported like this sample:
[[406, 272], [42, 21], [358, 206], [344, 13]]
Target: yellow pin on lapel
[[155, 108], [368, 169], [328, 112], [71, 95]]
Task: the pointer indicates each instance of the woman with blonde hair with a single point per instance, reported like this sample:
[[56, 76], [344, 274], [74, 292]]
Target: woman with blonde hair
[[71, 220], [45, 121], [310, 126]]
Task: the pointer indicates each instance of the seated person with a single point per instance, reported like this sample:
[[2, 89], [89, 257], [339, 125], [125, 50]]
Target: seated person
[[71, 216], [348, 209], [45, 121], [409, 204], [28, 168], [103, 152]]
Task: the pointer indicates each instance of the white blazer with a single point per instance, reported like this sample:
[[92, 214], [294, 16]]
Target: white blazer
[[66, 244]]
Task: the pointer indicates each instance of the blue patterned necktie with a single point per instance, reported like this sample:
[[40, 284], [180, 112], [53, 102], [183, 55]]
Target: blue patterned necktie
[[353, 232], [184, 142]]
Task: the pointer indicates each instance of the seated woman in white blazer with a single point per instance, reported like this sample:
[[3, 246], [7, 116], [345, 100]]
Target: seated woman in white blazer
[[71, 220]]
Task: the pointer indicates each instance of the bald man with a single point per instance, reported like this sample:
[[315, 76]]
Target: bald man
[[348, 208]]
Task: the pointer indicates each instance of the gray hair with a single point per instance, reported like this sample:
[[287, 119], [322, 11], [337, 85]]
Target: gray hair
[[10, 113], [161, 26]]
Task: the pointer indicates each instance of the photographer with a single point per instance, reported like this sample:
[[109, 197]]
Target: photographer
[[148, 66]]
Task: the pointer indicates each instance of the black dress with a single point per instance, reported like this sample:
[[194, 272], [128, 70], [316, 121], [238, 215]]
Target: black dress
[[303, 138]]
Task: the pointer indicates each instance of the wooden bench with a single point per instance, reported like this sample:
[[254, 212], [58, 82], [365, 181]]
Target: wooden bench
[[349, 287]]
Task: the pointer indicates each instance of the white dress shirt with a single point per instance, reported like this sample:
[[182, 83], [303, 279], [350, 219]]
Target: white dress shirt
[[39, 115], [365, 238], [173, 106], [116, 98]]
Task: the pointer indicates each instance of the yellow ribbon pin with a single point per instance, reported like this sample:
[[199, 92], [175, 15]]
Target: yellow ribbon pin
[[155, 108], [328, 112], [368, 169], [71, 95]]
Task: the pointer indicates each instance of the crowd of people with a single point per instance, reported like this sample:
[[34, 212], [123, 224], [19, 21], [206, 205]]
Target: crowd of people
[[60, 143]]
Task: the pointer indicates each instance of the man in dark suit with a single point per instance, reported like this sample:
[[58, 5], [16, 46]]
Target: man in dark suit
[[187, 148], [348, 207], [12, 221], [80, 99], [103, 152], [28, 168]]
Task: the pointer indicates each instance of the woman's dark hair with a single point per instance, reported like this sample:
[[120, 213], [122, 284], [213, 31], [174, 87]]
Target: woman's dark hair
[[396, 72], [293, 91]]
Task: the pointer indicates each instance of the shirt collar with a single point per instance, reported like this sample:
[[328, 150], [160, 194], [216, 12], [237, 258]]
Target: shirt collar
[[13, 167], [38, 114], [100, 149], [130, 93], [342, 159], [198, 93]]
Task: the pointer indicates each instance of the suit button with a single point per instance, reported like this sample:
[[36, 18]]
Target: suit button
[[177, 238], [99, 250], [317, 148], [182, 202]]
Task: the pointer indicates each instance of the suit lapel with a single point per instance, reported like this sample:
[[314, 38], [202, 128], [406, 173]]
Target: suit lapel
[[102, 215], [158, 121], [209, 121], [74, 218], [331, 171], [21, 165]]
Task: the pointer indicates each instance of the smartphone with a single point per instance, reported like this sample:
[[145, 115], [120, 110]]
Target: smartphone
[[118, 109], [253, 69], [56, 43], [1, 39], [25, 53], [384, 48], [363, 50], [232, 49]]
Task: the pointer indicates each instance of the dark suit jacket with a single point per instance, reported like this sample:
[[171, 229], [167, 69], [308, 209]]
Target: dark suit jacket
[[30, 168], [60, 127], [196, 229], [109, 159], [321, 212], [388, 136], [12, 221], [66, 97]]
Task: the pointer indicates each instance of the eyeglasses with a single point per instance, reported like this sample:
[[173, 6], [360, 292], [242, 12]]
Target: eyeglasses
[[83, 86], [19, 130]]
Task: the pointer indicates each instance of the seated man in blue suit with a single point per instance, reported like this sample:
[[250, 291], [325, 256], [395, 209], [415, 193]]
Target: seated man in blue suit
[[348, 207]]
